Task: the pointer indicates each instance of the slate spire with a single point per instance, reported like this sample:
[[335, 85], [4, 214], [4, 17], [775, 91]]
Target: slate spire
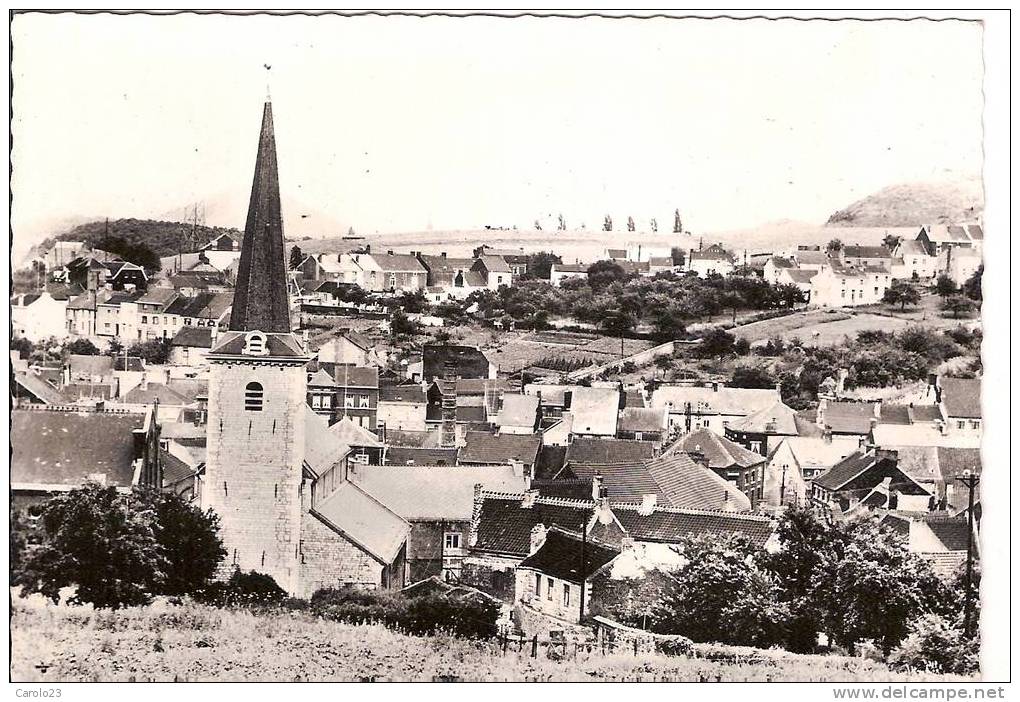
[[260, 298]]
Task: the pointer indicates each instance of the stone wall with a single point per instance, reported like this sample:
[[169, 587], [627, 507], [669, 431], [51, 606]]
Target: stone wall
[[330, 560], [253, 467], [490, 574]]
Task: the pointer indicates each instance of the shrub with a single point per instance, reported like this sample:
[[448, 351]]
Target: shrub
[[935, 645], [249, 589], [674, 646]]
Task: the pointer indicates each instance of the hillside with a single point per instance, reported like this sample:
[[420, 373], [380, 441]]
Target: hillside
[[913, 204], [163, 238], [59, 643]]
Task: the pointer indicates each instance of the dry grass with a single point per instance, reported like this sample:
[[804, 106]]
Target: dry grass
[[197, 643]]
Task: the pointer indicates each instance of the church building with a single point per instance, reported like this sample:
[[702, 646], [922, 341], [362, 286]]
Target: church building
[[275, 474]]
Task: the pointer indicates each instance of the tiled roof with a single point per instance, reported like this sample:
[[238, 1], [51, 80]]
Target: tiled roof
[[189, 388], [491, 449], [811, 258], [129, 363], [347, 376], [551, 394], [550, 460], [413, 439], [82, 365], [560, 557], [573, 488], [976, 232], [158, 295], [849, 417], [351, 434], [641, 419], [39, 388], [954, 461], [775, 420], [323, 449], [782, 262], [801, 275], [616, 253], [474, 414], [430, 492], [672, 525], [194, 337], [397, 263], [174, 469], [570, 268], [710, 254], [147, 393], [720, 452], [857, 251], [518, 411], [911, 247], [372, 526], [595, 410], [660, 261], [494, 264], [947, 233], [926, 413], [815, 451], [413, 456], [919, 462], [402, 393], [594, 450], [951, 531], [73, 392], [707, 400], [65, 448], [961, 397], [894, 414]]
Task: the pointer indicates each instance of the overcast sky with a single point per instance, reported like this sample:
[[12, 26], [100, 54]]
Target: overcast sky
[[393, 124]]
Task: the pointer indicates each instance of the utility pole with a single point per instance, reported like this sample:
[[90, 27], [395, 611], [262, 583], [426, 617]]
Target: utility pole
[[971, 480], [584, 545], [782, 487]]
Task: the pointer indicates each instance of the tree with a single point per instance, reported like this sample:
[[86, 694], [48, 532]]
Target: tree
[[22, 345], [677, 254], [618, 322], [540, 264], [601, 274], [958, 304], [562, 225], [653, 225], [630, 224], [972, 287], [732, 300], [82, 347], [752, 377], [538, 226], [99, 542], [668, 323], [716, 342], [188, 539], [154, 351], [834, 247], [789, 295], [664, 363], [891, 241], [678, 226], [401, 325], [607, 224], [296, 257], [901, 293], [944, 286]]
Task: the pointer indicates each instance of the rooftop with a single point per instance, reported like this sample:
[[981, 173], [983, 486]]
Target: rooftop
[[561, 553], [491, 449]]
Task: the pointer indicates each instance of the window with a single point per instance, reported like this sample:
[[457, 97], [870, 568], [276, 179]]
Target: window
[[960, 424], [145, 319], [549, 589], [316, 401], [255, 344], [348, 400], [756, 446], [566, 595], [362, 400], [538, 585], [253, 397], [975, 424], [451, 540]]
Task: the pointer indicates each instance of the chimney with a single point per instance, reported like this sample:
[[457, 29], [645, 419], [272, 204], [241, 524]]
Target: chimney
[[820, 414], [890, 454], [518, 468], [715, 386], [529, 499], [596, 487], [827, 435], [476, 514], [538, 533], [648, 503], [698, 457], [390, 252], [603, 512], [443, 254], [368, 248]]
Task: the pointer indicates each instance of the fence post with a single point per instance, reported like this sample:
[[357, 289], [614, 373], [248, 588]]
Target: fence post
[[534, 647], [635, 647]]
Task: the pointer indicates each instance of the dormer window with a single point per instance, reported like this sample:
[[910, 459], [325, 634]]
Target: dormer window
[[255, 344], [253, 397]]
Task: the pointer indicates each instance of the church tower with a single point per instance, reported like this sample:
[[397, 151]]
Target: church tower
[[257, 383]]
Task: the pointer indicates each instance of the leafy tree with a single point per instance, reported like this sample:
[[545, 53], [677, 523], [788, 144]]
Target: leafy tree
[[752, 377], [155, 351], [99, 542], [401, 325], [414, 302], [678, 256], [716, 342], [653, 225], [296, 257], [891, 241], [601, 274], [789, 295], [607, 224], [901, 293], [944, 286], [188, 540], [834, 247], [732, 300], [133, 251], [562, 225], [936, 644], [958, 304], [667, 323], [664, 363], [22, 345], [540, 264], [618, 322], [81, 347], [630, 224], [678, 226], [249, 589], [538, 226], [972, 286]]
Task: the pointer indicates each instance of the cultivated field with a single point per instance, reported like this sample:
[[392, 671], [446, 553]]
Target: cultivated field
[[52, 643]]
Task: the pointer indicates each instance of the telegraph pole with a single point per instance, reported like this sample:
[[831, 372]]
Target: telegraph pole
[[971, 481], [782, 487]]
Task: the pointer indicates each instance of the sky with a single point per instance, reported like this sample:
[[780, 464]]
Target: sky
[[406, 124]]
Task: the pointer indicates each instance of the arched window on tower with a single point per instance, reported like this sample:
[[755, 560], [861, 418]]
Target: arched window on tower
[[253, 397]]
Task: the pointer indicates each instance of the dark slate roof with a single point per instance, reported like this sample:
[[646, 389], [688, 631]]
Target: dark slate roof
[[671, 525], [197, 337], [846, 470], [130, 363], [205, 305], [402, 393], [926, 413], [550, 461], [408, 455], [440, 360], [895, 414], [65, 447], [953, 461], [72, 392], [720, 452], [641, 419], [573, 488], [280, 345], [174, 469], [471, 414], [592, 450], [151, 392], [857, 251], [481, 447], [260, 296], [504, 526], [962, 397], [975, 231], [91, 365], [414, 439], [560, 557], [38, 387], [351, 376], [951, 531]]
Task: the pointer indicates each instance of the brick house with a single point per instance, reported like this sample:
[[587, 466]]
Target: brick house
[[729, 460], [343, 390], [401, 408], [870, 478]]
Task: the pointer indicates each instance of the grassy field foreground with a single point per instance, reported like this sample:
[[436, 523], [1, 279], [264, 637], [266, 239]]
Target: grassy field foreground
[[57, 643]]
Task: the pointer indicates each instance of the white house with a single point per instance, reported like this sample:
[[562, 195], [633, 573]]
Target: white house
[[38, 316], [712, 260], [693, 407], [564, 271], [911, 260], [838, 285]]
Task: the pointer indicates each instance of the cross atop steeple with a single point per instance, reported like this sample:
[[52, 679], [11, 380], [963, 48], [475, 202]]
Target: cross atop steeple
[[260, 298]]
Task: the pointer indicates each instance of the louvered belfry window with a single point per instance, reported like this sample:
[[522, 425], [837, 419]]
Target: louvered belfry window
[[253, 396]]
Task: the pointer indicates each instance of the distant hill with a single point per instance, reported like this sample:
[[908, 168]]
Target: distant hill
[[914, 204], [159, 237]]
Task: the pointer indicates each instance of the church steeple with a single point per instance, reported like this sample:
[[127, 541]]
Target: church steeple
[[260, 297]]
